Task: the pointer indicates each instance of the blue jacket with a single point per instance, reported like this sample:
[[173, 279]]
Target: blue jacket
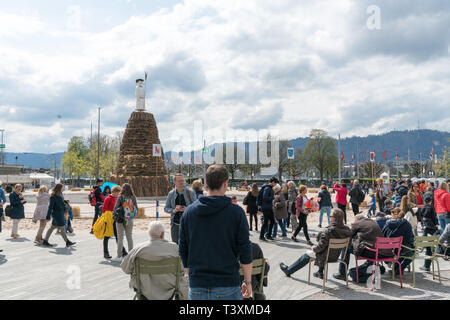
[[18, 211], [400, 227], [56, 211], [267, 197], [214, 237], [374, 203], [2, 196], [325, 198]]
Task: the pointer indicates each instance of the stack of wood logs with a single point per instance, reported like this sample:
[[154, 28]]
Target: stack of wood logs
[[136, 165]]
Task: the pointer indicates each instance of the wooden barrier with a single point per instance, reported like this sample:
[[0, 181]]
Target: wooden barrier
[[76, 212], [75, 189], [89, 190], [141, 213]]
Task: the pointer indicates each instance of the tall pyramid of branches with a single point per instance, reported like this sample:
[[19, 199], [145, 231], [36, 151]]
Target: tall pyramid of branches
[[136, 165]]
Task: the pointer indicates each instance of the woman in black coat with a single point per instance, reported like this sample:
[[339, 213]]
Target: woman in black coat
[[56, 210], [252, 207], [17, 209]]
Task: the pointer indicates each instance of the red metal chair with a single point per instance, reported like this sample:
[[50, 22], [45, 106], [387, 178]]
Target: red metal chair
[[384, 244]]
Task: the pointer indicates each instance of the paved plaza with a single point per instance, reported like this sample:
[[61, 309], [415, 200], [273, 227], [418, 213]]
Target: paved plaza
[[28, 271]]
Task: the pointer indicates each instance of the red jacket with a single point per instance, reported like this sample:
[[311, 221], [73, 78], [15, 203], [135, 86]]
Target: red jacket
[[341, 196], [441, 201], [109, 204]]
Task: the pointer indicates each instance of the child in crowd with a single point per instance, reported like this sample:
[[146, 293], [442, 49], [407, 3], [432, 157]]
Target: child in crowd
[[68, 217], [373, 205], [234, 200], [388, 205]]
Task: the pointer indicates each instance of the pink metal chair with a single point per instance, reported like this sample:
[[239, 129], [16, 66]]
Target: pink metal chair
[[384, 244]]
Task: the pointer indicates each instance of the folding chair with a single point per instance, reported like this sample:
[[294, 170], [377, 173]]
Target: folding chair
[[163, 266], [334, 244], [383, 244], [258, 267]]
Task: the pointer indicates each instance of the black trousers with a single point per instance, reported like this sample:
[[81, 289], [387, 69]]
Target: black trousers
[[355, 208], [98, 212], [253, 215], [269, 221], [174, 232], [302, 224], [381, 203], [343, 207], [106, 240]]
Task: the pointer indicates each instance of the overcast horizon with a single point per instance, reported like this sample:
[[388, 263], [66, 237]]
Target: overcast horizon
[[289, 66]]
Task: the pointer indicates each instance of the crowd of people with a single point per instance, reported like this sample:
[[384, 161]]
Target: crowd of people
[[210, 233]]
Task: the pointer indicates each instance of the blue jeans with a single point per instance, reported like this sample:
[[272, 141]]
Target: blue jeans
[[229, 293], [328, 211], [282, 223], [300, 263], [443, 221]]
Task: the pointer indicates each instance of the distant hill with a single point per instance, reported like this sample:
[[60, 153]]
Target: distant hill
[[34, 160], [419, 143]]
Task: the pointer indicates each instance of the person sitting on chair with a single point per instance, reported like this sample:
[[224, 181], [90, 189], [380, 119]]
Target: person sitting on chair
[[155, 287], [365, 232], [256, 279], [336, 230]]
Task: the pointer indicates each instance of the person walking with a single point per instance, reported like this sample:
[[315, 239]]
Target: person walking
[[18, 211], [215, 243], [252, 206], [108, 206], [325, 204], [197, 186], [99, 199], [128, 207], [356, 197], [56, 211], [176, 202], [2, 210], [302, 214], [292, 195], [40, 213], [280, 211], [381, 193], [265, 199], [341, 198], [442, 205]]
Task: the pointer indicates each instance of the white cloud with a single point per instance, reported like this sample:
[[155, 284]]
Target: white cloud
[[286, 65]]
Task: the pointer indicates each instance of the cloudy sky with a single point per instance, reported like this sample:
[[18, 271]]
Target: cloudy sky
[[235, 65]]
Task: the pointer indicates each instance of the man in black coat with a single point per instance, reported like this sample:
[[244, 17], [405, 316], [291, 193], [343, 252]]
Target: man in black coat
[[356, 197]]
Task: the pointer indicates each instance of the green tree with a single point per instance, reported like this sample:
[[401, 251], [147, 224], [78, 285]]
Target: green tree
[[74, 165], [365, 169], [320, 152]]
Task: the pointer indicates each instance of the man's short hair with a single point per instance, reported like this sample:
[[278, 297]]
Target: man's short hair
[[387, 202], [428, 198], [155, 228], [338, 215], [116, 189], [99, 180], [177, 175], [276, 187], [274, 179], [216, 175]]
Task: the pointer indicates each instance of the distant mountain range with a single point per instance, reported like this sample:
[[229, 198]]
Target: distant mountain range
[[418, 142]]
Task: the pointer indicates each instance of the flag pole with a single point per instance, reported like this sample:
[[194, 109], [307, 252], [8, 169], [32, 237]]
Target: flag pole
[[339, 156]]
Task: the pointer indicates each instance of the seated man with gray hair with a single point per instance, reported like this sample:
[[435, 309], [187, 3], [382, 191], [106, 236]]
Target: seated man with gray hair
[[155, 287]]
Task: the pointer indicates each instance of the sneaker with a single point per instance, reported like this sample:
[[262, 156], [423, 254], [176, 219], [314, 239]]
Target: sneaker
[[294, 239], [262, 239], [339, 276], [284, 268], [92, 232], [425, 269], [117, 259], [70, 243], [107, 256], [310, 243], [318, 274], [46, 244], [320, 226], [269, 238]]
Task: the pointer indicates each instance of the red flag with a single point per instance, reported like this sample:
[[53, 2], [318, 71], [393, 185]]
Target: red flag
[[396, 156], [431, 154], [342, 156], [385, 156]]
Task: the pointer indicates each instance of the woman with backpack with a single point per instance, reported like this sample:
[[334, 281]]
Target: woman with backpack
[[40, 213], [17, 209], [57, 211], [252, 206], [124, 211], [302, 214]]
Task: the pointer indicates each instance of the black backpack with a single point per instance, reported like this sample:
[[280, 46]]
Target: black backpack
[[8, 210], [260, 197], [361, 196]]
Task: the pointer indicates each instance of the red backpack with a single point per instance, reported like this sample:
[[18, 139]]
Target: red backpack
[[92, 198]]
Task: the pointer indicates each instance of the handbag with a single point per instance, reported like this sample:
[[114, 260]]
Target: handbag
[[119, 214], [8, 210]]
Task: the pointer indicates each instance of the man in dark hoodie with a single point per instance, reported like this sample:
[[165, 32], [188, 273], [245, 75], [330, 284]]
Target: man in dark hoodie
[[402, 190], [356, 197], [265, 197], [214, 239]]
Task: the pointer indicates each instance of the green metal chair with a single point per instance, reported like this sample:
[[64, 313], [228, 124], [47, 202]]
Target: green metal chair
[[163, 266], [258, 267], [420, 243]]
